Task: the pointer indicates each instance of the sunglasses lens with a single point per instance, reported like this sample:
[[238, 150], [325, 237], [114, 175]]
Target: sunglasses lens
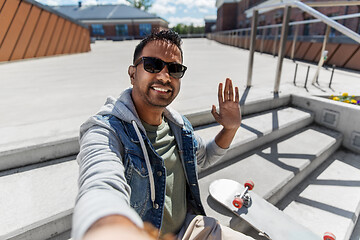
[[153, 65], [176, 70]]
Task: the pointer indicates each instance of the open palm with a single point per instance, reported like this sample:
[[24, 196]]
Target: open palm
[[229, 115]]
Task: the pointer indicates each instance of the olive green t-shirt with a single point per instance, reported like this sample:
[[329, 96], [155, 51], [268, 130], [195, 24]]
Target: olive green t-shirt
[[164, 143]]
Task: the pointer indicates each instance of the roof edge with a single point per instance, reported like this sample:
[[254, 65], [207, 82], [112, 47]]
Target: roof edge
[[49, 9]]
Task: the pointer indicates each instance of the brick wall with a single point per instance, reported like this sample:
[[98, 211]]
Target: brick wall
[[227, 17], [28, 30]]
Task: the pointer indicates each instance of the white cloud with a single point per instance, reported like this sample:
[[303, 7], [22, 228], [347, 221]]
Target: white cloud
[[161, 9], [102, 2], [49, 2], [186, 20], [196, 3], [203, 10], [205, 3], [84, 2]]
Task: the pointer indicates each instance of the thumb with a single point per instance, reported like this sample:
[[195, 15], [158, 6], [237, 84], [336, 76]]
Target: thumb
[[214, 113]]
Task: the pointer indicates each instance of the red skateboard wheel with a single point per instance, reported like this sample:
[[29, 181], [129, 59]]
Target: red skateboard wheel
[[249, 184], [329, 236], [238, 202]]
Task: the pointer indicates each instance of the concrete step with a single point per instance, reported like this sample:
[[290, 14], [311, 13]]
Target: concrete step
[[39, 142], [44, 193], [329, 199], [37, 201], [259, 129], [276, 168], [51, 207]]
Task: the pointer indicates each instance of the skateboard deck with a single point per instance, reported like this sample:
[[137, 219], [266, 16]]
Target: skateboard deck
[[268, 220]]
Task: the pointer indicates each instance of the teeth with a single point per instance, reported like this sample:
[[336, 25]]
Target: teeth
[[160, 89]]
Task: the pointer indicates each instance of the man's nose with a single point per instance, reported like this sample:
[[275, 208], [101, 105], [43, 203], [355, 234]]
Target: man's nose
[[164, 75]]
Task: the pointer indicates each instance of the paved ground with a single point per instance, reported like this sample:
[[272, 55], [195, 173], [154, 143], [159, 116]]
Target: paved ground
[[42, 99]]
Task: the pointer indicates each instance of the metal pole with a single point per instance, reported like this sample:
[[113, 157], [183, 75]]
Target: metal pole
[[284, 33], [262, 40], [332, 74], [247, 40], [294, 42], [252, 47], [234, 39], [275, 40], [322, 56], [242, 39], [295, 73], [307, 75], [237, 38], [344, 30]]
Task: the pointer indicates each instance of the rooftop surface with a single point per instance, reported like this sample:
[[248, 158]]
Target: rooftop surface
[[47, 98]]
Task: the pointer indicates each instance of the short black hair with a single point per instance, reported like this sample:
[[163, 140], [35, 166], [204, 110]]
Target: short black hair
[[166, 35]]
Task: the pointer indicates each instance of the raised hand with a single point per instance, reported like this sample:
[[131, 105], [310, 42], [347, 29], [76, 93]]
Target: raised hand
[[229, 109]]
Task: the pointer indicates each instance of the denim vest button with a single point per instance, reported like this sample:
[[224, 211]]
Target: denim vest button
[[156, 206], [159, 173]]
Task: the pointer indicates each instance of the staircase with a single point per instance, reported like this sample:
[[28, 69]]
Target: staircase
[[289, 146]]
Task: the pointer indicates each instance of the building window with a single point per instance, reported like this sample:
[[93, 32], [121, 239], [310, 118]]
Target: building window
[[97, 29], [145, 29], [122, 30]]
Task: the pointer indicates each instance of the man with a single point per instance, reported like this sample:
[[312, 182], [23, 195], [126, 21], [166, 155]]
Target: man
[[138, 157]]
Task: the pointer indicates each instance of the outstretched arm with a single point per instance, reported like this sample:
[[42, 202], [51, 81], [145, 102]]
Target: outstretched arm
[[229, 115]]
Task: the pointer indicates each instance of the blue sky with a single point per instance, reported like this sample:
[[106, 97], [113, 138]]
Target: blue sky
[[174, 11]]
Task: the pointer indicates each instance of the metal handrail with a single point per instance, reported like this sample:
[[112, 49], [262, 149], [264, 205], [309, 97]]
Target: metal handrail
[[288, 4], [341, 17], [344, 30]]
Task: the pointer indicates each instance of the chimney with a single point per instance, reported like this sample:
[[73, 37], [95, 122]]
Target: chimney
[[79, 4]]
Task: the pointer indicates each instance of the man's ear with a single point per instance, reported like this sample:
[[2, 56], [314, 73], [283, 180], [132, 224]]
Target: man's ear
[[131, 72]]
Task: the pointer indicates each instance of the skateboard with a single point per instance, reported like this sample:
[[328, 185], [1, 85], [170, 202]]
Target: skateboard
[[268, 220]]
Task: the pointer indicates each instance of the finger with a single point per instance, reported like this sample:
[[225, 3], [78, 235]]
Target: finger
[[231, 91], [214, 113], [220, 95], [226, 90], [237, 96]]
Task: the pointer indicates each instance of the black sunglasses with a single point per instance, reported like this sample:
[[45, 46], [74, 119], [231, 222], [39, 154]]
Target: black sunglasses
[[155, 65]]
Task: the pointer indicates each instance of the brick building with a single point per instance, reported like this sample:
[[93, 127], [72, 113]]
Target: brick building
[[29, 29], [210, 24], [236, 15], [115, 22], [233, 14]]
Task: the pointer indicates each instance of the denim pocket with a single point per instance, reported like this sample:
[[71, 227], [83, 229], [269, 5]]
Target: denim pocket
[[138, 178]]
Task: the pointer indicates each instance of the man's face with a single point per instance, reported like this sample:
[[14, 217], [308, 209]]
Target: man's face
[[155, 90]]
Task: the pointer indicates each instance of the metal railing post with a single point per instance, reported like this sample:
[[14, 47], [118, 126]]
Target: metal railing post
[[322, 57], [275, 40], [262, 40], [296, 67], [294, 42], [252, 47], [332, 74], [284, 33], [307, 75]]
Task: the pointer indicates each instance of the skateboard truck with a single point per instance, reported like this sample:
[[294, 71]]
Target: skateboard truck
[[244, 198], [329, 236]]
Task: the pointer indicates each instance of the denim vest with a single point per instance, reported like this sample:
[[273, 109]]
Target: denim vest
[[136, 172]]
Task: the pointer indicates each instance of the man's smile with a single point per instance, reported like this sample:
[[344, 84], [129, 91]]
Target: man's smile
[[161, 89]]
